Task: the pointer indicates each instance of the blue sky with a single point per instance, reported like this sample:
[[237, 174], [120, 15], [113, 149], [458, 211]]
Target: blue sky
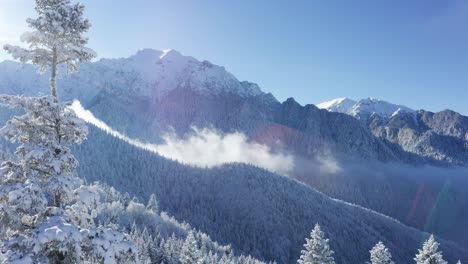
[[409, 52]]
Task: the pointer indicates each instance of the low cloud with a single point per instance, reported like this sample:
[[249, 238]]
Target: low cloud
[[205, 147]]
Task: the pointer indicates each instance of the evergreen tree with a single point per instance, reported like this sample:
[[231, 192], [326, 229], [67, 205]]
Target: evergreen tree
[[144, 247], [379, 254], [153, 204], [429, 253], [225, 259], [44, 166], [155, 248], [172, 250], [36, 186], [57, 38], [317, 250], [189, 253], [46, 211], [126, 199]]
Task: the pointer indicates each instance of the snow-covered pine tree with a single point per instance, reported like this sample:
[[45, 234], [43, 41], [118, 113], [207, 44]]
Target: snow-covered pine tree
[[155, 249], [153, 204], [189, 253], [126, 199], [213, 257], [429, 253], [379, 254], [225, 259], [172, 250], [317, 249], [40, 187], [57, 38], [44, 164]]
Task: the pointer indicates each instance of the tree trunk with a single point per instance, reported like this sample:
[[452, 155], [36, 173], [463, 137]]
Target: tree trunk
[[53, 75]]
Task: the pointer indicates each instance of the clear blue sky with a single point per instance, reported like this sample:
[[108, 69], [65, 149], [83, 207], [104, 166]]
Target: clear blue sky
[[408, 52]]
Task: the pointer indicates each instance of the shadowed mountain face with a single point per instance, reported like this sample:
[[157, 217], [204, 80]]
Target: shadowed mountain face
[[302, 130], [441, 136]]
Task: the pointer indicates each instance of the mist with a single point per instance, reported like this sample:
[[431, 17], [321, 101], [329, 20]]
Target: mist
[[204, 147], [431, 199]]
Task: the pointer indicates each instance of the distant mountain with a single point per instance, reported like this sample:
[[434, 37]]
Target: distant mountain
[[439, 136]]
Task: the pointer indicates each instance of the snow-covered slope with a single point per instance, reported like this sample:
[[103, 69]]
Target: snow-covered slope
[[364, 108], [168, 70], [259, 212]]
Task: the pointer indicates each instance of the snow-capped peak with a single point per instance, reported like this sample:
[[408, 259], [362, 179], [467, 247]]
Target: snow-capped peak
[[341, 105], [148, 73], [170, 53], [163, 71], [364, 108]]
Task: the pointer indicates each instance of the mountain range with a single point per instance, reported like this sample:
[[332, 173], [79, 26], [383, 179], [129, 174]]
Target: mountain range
[[397, 172], [441, 136]]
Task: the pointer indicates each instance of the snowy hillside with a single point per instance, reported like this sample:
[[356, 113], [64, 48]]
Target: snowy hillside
[[219, 201], [259, 212]]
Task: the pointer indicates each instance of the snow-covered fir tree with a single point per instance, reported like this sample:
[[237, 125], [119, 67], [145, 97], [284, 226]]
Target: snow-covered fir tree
[[380, 254], [46, 212], [430, 254], [153, 204], [316, 249], [57, 38], [189, 253], [143, 242], [41, 188]]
